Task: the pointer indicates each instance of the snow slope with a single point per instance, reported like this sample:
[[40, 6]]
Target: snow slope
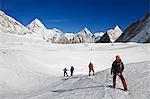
[[138, 31], [97, 87], [10, 25], [32, 69]]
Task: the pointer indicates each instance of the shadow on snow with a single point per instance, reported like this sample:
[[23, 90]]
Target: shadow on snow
[[98, 86]]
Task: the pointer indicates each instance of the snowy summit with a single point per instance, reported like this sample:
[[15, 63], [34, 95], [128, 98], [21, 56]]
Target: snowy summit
[[36, 24]]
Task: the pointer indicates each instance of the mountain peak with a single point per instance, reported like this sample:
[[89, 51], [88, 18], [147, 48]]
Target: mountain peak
[[37, 20], [85, 28], [36, 23], [117, 28], [85, 31]]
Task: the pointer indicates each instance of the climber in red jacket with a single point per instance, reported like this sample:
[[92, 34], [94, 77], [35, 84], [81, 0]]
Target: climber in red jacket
[[91, 68]]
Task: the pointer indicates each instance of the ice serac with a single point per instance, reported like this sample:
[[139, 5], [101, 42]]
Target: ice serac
[[10, 25], [111, 35], [138, 31]]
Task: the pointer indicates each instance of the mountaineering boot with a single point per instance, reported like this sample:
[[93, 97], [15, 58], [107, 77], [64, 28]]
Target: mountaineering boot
[[125, 89]]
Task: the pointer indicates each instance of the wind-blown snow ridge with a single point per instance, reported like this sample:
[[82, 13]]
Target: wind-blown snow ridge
[[10, 25]]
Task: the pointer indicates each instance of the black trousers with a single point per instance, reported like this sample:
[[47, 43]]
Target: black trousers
[[65, 73], [71, 72]]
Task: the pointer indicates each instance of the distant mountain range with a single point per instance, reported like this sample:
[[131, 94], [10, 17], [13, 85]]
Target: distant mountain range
[[135, 32], [84, 36]]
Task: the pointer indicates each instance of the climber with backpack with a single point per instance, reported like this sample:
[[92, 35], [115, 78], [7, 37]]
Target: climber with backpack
[[116, 70]]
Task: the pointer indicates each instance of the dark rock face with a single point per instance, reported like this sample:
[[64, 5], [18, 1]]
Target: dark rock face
[[104, 39], [137, 31], [111, 35]]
